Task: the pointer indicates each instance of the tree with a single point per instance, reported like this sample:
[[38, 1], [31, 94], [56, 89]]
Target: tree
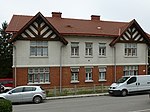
[[6, 51]]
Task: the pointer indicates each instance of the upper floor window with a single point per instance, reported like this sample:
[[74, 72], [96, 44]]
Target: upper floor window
[[130, 70], [130, 49], [39, 48], [102, 49], [88, 49], [74, 48]]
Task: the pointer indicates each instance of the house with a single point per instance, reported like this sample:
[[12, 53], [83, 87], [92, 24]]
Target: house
[[56, 51]]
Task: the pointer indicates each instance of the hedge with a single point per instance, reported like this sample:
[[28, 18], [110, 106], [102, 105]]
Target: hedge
[[5, 105]]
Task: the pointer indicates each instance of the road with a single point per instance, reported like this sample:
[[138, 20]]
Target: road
[[132, 103]]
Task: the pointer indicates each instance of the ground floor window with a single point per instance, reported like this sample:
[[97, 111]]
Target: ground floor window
[[102, 74], [88, 74], [130, 70], [38, 75], [74, 75]]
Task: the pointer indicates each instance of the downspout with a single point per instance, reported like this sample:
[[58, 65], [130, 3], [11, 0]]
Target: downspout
[[15, 60], [146, 60], [60, 89], [115, 63]]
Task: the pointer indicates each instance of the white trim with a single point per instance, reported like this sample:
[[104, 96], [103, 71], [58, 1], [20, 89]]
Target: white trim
[[38, 83], [65, 65], [74, 81], [89, 81], [102, 80]]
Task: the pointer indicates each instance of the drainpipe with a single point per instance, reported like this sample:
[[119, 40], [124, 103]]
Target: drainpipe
[[15, 60], [60, 89], [146, 60], [115, 63]]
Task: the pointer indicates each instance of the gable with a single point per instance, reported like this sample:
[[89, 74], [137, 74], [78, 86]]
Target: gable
[[132, 33], [38, 28]]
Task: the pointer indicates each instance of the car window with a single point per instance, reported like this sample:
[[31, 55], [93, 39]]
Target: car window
[[29, 89], [17, 90], [132, 80]]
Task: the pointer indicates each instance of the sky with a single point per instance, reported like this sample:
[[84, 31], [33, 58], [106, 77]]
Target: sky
[[109, 10]]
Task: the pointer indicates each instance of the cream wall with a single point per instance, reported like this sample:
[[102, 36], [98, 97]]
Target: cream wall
[[23, 58]]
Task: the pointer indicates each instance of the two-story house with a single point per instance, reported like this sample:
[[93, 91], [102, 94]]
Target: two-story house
[[56, 51]]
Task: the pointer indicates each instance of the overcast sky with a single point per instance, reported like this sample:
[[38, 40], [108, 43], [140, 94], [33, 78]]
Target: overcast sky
[[112, 10]]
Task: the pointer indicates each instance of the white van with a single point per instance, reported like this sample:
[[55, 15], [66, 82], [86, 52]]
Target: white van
[[130, 84]]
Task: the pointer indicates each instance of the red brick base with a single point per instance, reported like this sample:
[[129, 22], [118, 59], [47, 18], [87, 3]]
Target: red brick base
[[22, 76]]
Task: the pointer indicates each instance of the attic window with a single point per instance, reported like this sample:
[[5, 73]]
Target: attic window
[[69, 26], [99, 28]]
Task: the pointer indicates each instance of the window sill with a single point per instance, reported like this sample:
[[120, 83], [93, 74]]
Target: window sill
[[74, 82], [89, 81], [38, 83], [88, 56], [75, 57], [102, 80], [102, 57], [130, 57], [38, 56]]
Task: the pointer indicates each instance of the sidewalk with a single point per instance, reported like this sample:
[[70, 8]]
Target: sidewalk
[[76, 96]]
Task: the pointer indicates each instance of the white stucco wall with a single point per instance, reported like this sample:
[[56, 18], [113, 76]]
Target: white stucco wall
[[23, 58]]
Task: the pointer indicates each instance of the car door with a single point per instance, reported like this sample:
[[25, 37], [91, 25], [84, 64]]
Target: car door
[[132, 84], [15, 95], [28, 93]]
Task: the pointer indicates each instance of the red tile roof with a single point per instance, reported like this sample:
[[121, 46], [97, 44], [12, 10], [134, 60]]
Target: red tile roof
[[66, 26]]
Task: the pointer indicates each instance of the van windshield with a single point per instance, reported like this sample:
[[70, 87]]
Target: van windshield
[[122, 80]]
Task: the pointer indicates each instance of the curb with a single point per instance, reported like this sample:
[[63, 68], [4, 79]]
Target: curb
[[76, 96]]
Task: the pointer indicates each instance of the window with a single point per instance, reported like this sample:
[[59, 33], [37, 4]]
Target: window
[[17, 90], [74, 48], [39, 48], [130, 49], [88, 49], [74, 75], [102, 74], [38, 75], [132, 80], [130, 70], [88, 74], [102, 49]]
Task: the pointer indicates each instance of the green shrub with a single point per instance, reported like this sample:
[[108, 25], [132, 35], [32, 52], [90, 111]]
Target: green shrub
[[5, 105]]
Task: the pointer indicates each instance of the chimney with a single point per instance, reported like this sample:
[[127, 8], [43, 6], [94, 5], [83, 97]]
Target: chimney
[[95, 18], [56, 14]]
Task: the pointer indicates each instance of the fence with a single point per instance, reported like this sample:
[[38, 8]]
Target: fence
[[75, 90]]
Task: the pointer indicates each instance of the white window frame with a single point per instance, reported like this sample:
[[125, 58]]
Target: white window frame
[[88, 73], [102, 49], [74, 49], [130, 70], [39, 48], [89, 49], [102, 74], [38, 76], [75, 75], [130, 49]]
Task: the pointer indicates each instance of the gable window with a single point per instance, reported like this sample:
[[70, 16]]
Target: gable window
[[102, 74], [102, 49], [74, 75], [130, 70], [74, 48], [38, 75], [130, 49], [88, 75], [39, 48], [88, 49]]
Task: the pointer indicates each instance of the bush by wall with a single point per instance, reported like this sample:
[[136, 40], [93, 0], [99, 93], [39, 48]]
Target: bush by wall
[[5, 105]]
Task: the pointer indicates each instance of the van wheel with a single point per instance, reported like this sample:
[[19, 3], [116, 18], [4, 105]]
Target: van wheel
[[37, 99], [124, 93]]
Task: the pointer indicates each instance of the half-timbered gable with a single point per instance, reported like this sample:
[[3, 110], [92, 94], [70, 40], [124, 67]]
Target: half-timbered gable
[[39, 28], [132, 33]]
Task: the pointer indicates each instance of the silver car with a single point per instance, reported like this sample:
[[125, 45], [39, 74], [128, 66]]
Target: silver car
[[25, 94]]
